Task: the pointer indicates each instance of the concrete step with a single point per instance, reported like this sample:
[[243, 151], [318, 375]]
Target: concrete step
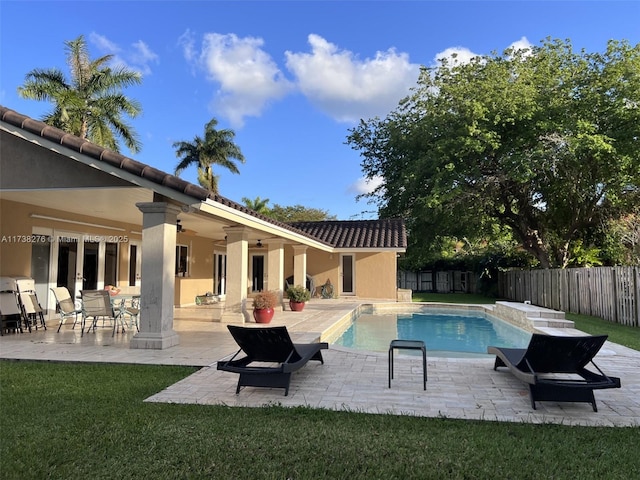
[[550, 322]]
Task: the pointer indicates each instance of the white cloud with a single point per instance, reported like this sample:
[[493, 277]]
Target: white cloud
[[347, 88], [462, 55], [522, 44], [334, 80], [139, 58], [364, 186], [104, 44], [187, 42], [249, 79], [142, 56], [455, 56]]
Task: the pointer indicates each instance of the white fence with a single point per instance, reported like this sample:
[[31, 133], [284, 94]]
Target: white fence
[[612, 293]]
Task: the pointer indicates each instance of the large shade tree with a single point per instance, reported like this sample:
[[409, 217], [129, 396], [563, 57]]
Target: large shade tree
[[298, 213], [90, 104], [217, 147], [287, 214], [544, 142]]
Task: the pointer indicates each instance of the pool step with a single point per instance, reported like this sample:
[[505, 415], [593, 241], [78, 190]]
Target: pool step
[[550, 322], [531, 317]]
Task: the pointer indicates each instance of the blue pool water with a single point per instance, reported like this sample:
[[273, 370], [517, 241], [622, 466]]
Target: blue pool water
[[451, 334]]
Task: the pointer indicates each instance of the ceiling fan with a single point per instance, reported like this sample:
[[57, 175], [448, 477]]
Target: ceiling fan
[[181, 229]]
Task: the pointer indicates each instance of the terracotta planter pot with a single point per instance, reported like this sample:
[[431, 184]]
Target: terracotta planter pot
[[296, 306], [263, 315]]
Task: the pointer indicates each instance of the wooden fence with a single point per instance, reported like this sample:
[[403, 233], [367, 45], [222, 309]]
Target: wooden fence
[[612, 293]]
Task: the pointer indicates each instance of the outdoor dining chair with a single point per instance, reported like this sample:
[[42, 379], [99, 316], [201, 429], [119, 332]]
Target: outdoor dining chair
[[65, 306], [97, 304]]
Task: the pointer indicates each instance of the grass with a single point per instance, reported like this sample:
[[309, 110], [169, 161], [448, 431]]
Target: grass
[[621, 334], [452, 298], [77, 421]]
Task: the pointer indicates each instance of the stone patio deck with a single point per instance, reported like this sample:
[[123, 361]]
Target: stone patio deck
[[349, 380]]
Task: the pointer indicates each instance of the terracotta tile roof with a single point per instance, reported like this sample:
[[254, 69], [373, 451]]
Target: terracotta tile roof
[[142, 170], [384, 233], [339, 234]]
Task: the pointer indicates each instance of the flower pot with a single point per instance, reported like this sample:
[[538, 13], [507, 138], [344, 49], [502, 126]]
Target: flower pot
[[263, 315], [296, 306]]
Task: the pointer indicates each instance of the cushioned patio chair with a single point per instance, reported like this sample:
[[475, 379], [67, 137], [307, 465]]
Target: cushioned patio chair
[[270, 356], [554, 368]]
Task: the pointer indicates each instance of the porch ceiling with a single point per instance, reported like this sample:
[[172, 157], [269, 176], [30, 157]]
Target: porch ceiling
[[115, 204]]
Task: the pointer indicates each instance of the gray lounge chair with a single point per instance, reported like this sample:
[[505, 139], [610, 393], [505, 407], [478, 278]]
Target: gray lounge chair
[[270, 356], [554, 368]]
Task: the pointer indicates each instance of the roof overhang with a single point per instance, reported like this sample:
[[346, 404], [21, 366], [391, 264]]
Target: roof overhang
[[113, 192]]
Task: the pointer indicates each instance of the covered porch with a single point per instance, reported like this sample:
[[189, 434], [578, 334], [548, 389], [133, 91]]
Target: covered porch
[[82, 217]]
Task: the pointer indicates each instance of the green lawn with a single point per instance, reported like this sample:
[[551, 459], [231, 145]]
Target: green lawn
[[452, 298], [621, 334], [81, 421]]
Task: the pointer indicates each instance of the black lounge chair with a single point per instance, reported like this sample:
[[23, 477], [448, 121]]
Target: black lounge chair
[[270, 356], [564, 360]]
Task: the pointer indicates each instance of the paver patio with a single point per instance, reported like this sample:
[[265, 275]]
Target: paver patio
[[349, 380]]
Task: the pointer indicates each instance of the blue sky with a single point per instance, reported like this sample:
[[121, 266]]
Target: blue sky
[[289, 77]]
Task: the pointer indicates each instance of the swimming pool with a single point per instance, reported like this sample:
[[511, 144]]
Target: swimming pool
[[446, 333]]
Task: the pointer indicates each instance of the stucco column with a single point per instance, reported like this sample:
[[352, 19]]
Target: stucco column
[[237, 274], [158, 276], [300, 265], [275, 267]]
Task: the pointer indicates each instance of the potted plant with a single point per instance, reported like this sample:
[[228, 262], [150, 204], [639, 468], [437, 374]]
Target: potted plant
[[298, 295], [263, 304]]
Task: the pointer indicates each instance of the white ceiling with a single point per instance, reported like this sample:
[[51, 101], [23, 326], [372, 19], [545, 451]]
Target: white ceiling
[[116, 204]]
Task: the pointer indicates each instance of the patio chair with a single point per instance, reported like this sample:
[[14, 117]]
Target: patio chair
[[65, 306], [554, 368], [97, 304], [10, 313], [270, 357], [131, 311], [29, 303]]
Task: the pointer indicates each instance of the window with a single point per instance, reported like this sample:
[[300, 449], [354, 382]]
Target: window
[[182, 260], [133, 264], [220, 274]]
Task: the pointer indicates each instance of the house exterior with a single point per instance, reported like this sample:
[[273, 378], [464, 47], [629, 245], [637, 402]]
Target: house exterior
[[77, 215]]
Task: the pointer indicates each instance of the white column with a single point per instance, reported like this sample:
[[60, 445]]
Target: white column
[[237, 274], [158, 276], [275, 267], [300, 265]]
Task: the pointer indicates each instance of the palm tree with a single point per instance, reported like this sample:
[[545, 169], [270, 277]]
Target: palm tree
[[216, 148], [90, 105], [257, 205], [207, 179]]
